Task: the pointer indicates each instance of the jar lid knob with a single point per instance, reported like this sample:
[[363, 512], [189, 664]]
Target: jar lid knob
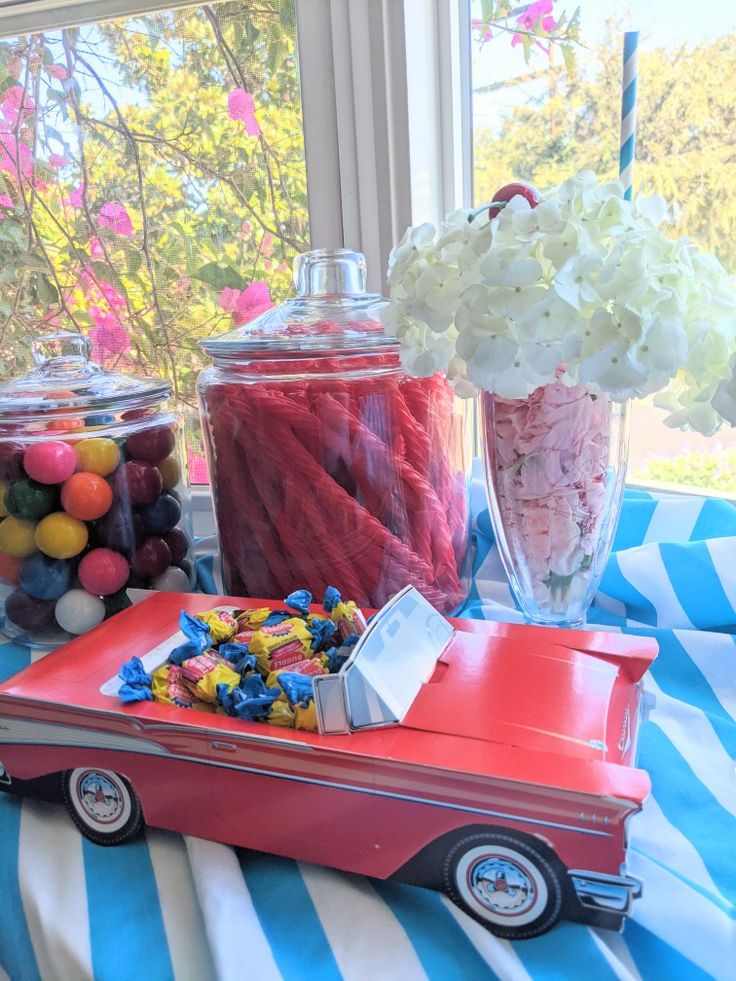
[[329, 272], [64, 345]]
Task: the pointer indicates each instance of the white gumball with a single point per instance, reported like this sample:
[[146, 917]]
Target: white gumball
[[77, 611], [172, 580]]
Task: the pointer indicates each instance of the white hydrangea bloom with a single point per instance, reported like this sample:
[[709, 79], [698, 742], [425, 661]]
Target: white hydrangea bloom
[[582, 288]]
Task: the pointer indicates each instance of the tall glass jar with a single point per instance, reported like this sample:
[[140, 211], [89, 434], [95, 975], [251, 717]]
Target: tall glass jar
[[329, 465], [94, 498]]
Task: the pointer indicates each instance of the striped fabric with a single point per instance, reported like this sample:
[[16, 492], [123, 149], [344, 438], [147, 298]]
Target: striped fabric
[[170, 907]]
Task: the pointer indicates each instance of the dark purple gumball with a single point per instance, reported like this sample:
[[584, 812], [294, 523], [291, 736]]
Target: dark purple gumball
[[29, 613], [162, 515], [139, 482], [151, 445], [178, 542], [121, 529], [11, 460], [151, 557]]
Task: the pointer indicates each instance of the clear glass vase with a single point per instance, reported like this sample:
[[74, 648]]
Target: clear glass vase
[[555, 465]]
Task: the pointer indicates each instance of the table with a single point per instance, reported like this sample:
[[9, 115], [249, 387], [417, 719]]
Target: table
[[174, 907]]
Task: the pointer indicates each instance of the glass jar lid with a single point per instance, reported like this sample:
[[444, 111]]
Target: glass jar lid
[[65, 378], [332, 312]]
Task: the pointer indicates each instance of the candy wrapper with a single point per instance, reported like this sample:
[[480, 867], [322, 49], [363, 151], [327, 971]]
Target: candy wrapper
[[281, 644], [168, 687], [345, 615], [203, 674], [255, 665]]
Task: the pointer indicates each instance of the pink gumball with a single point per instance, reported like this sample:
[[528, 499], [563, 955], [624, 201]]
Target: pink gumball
[[51, 462], [103, 572]]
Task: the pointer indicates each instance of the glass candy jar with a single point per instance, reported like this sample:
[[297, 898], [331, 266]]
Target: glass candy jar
[[93, 493], [329, 465]]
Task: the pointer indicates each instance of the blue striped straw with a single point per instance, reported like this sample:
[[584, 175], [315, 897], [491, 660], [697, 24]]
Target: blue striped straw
[[628, 112]]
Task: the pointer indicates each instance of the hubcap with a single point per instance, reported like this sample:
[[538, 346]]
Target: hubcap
[[101, 798], [503, 887]]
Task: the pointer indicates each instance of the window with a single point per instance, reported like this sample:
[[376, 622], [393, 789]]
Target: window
[[152, 185], [546, 104]]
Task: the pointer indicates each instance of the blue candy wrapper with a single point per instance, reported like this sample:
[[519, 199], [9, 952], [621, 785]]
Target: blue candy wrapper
[[322, 632], [199, 639], [250, 700], [332, 598], [298, 688], [278, 616], [136, 685], [241, 658], [299, 600]]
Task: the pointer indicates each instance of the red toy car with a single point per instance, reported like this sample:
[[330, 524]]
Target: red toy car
[[490, 760]]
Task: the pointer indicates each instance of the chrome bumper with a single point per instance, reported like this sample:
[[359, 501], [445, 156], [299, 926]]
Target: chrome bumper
[[605, 893]]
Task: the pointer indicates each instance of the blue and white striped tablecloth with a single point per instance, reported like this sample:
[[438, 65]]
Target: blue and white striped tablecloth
[[173, 907]]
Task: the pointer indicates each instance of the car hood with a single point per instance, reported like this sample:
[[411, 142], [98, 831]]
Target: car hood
[[548, 698]]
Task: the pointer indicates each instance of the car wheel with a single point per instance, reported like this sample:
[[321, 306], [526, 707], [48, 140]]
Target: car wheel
[[504, 883], [103, 805]]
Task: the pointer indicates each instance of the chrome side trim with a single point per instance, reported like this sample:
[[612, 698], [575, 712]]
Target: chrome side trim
[[91, 739], [611, 893], [28, 732]]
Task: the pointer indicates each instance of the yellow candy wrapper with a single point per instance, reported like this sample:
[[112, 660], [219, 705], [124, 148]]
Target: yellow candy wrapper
[[281, 714], [306, 718], [313, 666], [223, 625], [202, 675], [167, 686], [348, 619], [253, 619], [281, 645]]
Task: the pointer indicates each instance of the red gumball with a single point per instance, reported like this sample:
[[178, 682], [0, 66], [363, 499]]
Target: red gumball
[[139, 481], [11, 460], [151, 557], [178, 542], [50, 462], [152, 445], [103, 572], [508, 191]]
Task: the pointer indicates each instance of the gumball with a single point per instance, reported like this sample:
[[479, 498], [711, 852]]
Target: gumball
[[151, 558], [103, 571], [509, 191], [11, 460], [99, 419], [78, 611], [121, 529], [86, 496], [98, 455], [178, 542], [50, 462], [151, 445], [173, 580], [60, 535], [116, 603], [139, 481], [64, 425], [17, 538], [170, 472], [45, 578], [29, 500], [28, 612], [137, 582], [161, 516], [10, 568]]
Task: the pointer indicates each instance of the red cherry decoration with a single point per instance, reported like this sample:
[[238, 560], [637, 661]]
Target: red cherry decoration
[[508, 191]]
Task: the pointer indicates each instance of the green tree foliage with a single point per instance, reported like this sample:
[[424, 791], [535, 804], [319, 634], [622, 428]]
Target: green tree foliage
[[152, 183], [686, 133], [715, 471]]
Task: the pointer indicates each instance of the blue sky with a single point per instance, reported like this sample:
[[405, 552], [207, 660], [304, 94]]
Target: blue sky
[[662, 23]]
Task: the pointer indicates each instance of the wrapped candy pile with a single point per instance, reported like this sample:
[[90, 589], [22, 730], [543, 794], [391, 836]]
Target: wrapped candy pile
[[256, 665]]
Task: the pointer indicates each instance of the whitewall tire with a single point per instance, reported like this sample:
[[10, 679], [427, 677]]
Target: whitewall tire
[[102, 804]]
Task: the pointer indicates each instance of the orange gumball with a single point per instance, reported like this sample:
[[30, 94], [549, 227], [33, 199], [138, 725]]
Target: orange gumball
[[86, 496], [10, 569]]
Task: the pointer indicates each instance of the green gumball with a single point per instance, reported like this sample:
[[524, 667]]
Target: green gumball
[[30, 501]]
